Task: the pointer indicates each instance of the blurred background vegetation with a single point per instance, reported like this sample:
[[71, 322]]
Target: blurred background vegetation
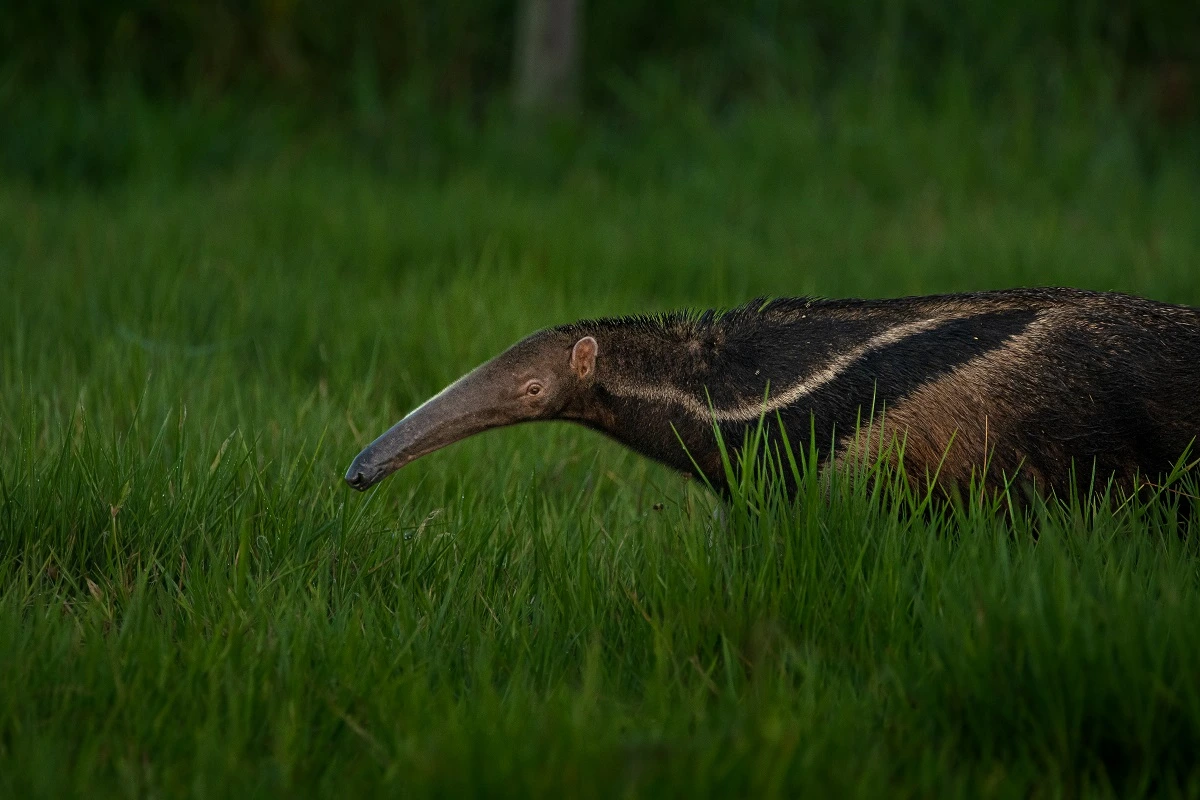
[[88, 88]]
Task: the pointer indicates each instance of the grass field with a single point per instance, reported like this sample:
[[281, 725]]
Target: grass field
[[191, 602]]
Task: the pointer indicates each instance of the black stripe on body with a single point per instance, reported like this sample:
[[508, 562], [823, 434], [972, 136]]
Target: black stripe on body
[[883, 378]]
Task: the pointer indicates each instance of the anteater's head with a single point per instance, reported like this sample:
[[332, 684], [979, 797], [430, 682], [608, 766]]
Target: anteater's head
[[546, 376]]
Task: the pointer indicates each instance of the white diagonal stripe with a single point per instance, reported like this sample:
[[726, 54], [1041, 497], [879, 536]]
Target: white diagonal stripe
[[751, 411]]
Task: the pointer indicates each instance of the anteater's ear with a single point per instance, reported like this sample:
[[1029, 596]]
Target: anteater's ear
[[583, 357]]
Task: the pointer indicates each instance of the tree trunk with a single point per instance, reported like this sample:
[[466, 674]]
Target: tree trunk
[[547, 57]]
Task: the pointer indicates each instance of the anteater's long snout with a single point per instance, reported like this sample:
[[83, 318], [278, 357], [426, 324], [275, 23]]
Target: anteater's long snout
[[462, 409]]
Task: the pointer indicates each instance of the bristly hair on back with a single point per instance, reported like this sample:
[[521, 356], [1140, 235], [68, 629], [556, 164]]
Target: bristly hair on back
[[691, 322]]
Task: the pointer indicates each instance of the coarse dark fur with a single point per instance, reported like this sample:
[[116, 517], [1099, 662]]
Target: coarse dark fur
[[1057, 389]]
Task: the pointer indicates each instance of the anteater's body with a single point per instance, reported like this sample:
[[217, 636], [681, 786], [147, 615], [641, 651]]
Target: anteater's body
[[1031, 385]]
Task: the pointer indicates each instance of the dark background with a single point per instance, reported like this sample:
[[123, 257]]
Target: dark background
[[223, 80]]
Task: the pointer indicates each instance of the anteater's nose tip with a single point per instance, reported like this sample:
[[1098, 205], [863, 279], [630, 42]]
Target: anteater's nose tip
[[357, 479]]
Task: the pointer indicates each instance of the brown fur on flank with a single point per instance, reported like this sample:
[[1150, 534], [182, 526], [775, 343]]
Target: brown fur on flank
[[1063, 406]]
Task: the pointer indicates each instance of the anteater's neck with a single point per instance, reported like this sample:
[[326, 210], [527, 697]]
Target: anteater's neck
[[663, 381]]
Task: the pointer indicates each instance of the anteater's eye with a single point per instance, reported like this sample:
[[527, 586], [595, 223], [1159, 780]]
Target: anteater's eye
[[534, 388]]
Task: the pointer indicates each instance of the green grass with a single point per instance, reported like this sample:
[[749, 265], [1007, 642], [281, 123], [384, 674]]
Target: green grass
[[191, 602]]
